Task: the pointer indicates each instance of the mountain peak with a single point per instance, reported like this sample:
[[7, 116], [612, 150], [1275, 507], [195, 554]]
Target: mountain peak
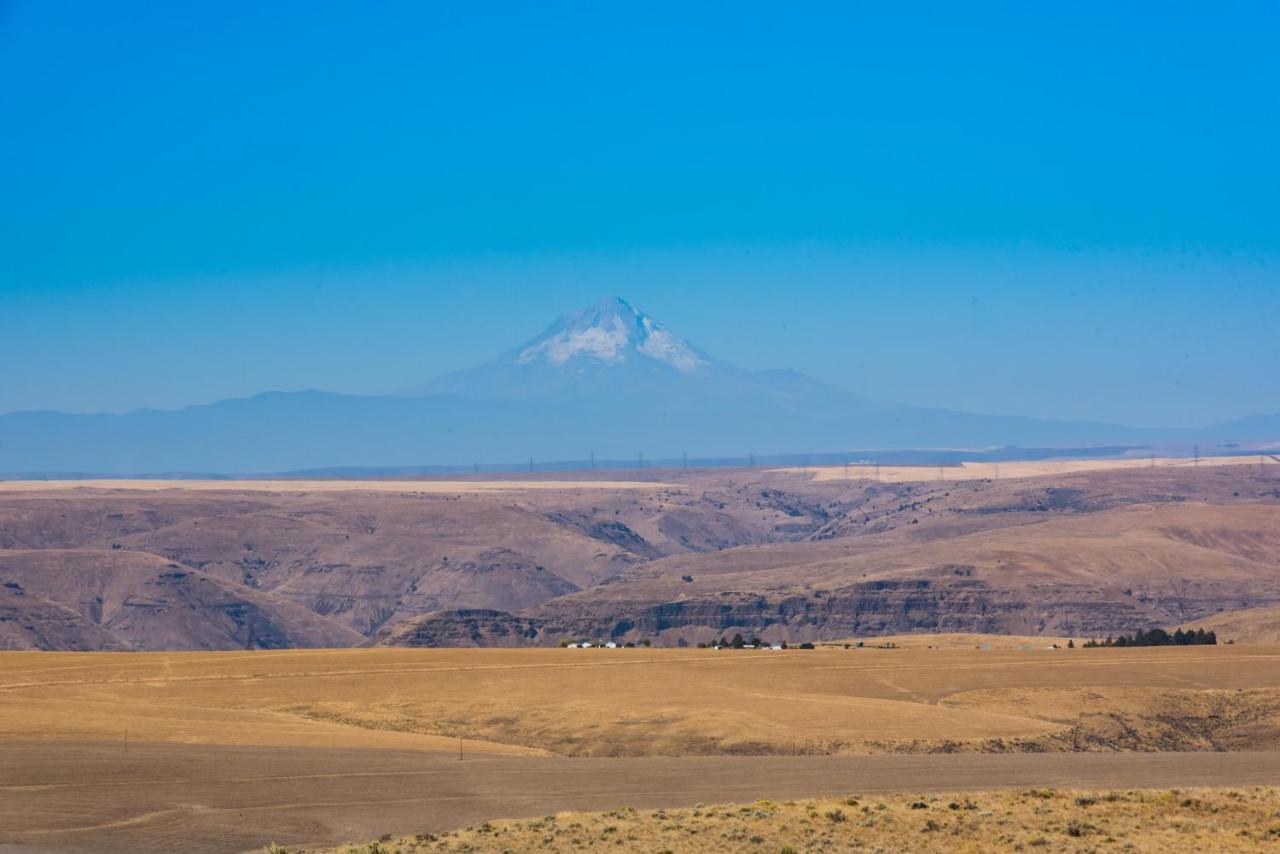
[[611, 331]]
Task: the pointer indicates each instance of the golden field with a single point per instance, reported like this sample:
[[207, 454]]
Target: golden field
[[1202, 820], [227, 751], [657, 702]]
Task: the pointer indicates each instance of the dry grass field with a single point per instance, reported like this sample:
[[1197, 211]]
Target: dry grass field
[[658, 702], [1038, 819], [229, 751]]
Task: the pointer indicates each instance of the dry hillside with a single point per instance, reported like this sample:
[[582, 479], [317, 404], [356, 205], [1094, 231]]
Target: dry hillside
[[1251, 625], [676, 557]]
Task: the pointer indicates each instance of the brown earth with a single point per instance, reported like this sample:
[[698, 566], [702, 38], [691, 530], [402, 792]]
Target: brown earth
[[94, 797], [86, 598], [672, 556]]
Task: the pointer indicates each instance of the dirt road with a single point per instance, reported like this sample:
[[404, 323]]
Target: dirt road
[[196, 798]]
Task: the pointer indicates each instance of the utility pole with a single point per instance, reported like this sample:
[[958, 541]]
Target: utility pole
[[476, 467], [642, 459], [877, 471], [751, 459], [1153, 460], [1197, 455], [995, 469], [684, 459], [531, 465]]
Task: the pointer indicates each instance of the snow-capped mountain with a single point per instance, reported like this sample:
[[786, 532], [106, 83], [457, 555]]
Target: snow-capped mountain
[[608, 348], [611, 331]]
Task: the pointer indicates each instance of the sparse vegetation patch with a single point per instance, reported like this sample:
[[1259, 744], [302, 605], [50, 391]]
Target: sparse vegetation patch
[[1223, 820]]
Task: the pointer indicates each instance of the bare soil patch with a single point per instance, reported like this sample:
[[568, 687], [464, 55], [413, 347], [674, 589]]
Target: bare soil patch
[[94, 797]]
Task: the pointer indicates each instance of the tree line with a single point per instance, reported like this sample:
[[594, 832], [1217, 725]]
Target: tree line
[[1159, 637]]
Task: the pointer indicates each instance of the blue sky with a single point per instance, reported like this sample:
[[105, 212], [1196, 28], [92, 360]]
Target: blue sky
[[1062, 210]]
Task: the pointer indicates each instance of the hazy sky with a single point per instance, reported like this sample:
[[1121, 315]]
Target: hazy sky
[[1061, 210]]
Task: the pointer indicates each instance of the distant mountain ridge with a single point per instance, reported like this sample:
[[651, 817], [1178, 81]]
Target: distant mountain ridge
[[607, 379]]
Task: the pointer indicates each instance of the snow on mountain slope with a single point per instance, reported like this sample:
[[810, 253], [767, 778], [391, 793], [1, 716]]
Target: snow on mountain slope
[[605, 351], [611, 331]]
